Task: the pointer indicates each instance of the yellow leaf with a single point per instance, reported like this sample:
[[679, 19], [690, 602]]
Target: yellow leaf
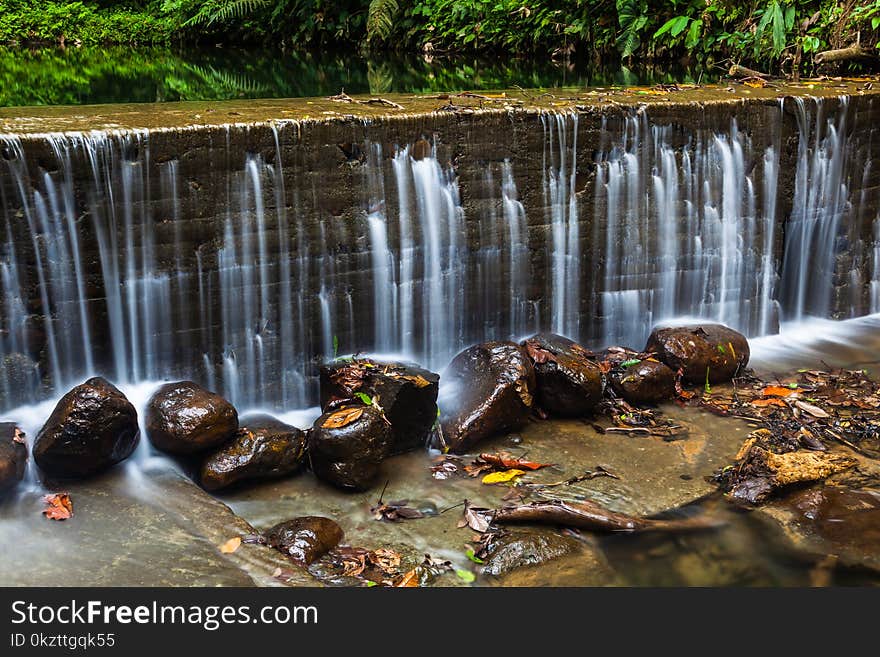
[[231, 545], [502, 477]]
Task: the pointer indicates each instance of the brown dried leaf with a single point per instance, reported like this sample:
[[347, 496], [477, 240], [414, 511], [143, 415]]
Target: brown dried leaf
[[343, 418], [59, 506], [386, 559], [408, 580], [19, 437], [475, 518], [813, 410]]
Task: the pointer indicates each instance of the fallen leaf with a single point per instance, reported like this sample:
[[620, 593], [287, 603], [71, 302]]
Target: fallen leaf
[[231, 545], [465, 576], [19, 437], [475, 518], [777, 391], [502, 477], [507, 461], [769, 401], [385, 559], [59, 506], [408, 580], [815, 411], [473, 557], [342, 418]]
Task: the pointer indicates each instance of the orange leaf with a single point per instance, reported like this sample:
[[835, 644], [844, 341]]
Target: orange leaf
[[777, 391], [507, 461], [409, 580], [59, 506], [343, 418], [231, 545], [769, 401]]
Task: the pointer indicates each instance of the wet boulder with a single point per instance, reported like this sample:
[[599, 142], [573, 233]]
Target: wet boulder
[[13, 456], [184, 418], [347, 446], [642, 381], [508, 550], [704, 352], [92, 428], [262, 448], [568, 381], [406, 393], [486, 390], [304, 539]]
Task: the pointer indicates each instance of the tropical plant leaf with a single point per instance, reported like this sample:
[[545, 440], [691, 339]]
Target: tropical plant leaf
[[380, 19]]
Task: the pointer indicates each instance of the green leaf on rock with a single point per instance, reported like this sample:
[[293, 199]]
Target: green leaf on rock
[[631, 361], [365, 398], [466, 576], [473, 557]]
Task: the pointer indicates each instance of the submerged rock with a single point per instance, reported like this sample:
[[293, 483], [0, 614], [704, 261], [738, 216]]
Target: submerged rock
[[509, 550], [184, 418], [568, 382], [92, 428], [486, 390], [347, 446], [262, 448], [643, 382], [13, 456], [304, 539], [406, 393], [830, 520], [704, 352]]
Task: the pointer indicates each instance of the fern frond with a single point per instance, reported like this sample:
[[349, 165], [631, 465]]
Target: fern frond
[[220, 11], [380, 19]]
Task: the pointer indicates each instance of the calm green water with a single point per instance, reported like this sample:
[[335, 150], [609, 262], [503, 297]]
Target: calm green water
[[81, 76]]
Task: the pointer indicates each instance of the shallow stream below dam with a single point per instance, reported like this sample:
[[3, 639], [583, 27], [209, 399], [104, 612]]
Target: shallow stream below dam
[[145, 523]]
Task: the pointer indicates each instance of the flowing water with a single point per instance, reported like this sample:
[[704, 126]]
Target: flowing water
[[679, 225], [111, 265]]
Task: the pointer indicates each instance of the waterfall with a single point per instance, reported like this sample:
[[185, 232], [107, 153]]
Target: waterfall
[[682, 233], [117, 262], [820, 203]]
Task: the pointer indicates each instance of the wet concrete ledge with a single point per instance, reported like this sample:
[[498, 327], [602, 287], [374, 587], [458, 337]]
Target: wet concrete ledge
[[37, 122]]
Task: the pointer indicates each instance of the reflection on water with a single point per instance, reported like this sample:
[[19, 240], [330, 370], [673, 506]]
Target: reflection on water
[[80, 76]]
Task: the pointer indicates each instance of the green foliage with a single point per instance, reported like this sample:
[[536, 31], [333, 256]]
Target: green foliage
[[766, 33], [380, 19]]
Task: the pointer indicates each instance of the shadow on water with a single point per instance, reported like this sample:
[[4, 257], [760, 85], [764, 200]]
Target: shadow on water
[[81, 76]]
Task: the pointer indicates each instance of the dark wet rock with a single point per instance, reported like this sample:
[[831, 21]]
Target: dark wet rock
[[705, 351], [262, 448], [758, 472], [406, 393], [184, 418], [92, 428], [304, 539], [486, 390], [830, 520], [13, 456], [568, 381], [509, 550], [347, 446], [643, 382]]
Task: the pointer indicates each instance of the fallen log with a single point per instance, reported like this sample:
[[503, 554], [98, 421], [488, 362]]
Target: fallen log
[[593, 517], [737, 71], [852, 53]]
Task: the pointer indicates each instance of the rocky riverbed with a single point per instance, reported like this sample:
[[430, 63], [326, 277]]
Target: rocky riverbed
[[146, 521]]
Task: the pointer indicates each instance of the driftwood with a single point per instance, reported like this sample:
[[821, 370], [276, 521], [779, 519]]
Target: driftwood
[[589, 515], [852, 53], [737, 71]]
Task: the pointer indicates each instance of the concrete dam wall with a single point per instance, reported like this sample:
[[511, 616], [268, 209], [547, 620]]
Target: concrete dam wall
[[241, 244]]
